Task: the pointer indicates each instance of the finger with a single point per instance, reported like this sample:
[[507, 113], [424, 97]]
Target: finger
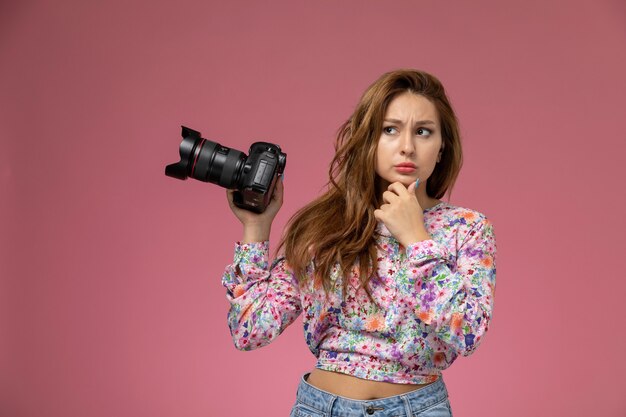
[[412, 187], [278, 192], [279, 188], [389, 197], [230, 196], [398, 188], [384, 207]]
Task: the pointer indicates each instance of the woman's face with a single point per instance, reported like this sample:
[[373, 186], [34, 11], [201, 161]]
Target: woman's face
[[409, 144]]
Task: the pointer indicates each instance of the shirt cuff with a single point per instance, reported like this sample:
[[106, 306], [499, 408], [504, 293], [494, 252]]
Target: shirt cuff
[[255, 254], [426, 250]]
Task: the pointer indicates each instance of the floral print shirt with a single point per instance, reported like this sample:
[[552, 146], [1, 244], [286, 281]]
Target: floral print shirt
[[431, 301]]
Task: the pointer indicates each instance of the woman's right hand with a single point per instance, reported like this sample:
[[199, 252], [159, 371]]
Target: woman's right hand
[[257, 226]]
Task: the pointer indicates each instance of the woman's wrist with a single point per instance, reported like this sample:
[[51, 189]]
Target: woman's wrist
[[416, 237], [256, 233]]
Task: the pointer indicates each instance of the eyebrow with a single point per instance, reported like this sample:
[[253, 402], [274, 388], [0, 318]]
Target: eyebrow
[[419, 122]]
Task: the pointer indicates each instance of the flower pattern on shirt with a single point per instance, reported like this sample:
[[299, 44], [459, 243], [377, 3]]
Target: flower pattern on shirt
[[431, 301]]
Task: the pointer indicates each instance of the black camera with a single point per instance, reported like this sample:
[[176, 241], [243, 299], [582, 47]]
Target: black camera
[[253, 176]]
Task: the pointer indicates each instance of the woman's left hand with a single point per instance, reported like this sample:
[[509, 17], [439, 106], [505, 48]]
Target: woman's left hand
[[402, 214]]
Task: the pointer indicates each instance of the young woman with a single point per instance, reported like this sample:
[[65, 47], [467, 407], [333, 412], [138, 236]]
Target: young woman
[[393, 283]]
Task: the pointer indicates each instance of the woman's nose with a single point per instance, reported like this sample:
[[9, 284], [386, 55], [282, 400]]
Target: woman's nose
[[407, 147]]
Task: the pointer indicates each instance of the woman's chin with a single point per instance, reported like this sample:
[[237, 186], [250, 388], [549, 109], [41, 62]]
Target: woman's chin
[[402, 179], [406, 181]]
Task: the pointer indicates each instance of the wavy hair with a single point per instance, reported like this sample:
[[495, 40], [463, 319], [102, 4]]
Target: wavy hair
[[338, 227]]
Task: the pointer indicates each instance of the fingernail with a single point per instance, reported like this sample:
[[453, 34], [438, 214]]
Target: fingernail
[[417, 182]]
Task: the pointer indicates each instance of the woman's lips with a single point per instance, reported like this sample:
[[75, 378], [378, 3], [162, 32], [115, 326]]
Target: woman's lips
[[405, 168]]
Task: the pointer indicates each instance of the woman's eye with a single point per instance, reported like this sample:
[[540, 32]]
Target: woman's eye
[[389, 130], [423, 131]]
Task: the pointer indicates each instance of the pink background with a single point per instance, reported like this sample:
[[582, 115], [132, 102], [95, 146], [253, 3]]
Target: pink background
[[110, 294]]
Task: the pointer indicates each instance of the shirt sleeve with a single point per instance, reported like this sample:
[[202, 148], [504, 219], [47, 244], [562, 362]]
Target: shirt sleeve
[[456, 301], [263, 300]]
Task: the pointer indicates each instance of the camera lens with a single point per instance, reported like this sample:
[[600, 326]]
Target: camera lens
[[218, 164], [207, 161]]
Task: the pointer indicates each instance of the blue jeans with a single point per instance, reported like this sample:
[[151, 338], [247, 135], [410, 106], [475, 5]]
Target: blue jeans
[[429, 401]]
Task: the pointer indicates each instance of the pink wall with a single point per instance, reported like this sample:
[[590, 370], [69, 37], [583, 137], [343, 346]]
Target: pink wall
[[110, 295]]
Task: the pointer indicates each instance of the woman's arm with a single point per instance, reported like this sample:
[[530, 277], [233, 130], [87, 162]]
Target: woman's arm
[[257, 226], [455, 303], [263, 300]]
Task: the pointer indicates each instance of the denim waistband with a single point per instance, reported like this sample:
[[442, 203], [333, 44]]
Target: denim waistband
[[404, 404]]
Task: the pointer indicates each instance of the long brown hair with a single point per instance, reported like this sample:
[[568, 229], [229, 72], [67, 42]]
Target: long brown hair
[[338, 227]]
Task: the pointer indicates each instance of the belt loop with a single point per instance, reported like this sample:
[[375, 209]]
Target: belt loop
[[407, 406], [330, 405]]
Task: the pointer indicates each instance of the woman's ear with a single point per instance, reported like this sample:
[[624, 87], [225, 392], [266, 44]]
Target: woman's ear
[[440, 152]]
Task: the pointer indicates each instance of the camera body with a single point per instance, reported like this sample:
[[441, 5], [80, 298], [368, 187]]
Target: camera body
[[253, 176]]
